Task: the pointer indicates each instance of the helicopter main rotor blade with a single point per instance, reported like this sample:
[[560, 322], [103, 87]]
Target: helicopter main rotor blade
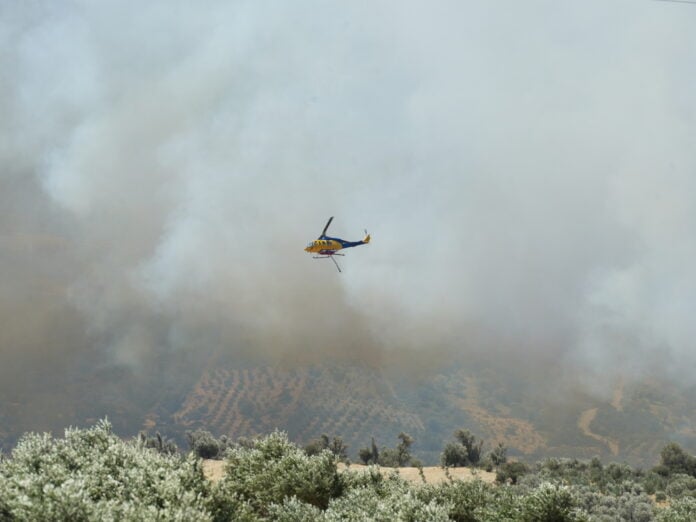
[[327, 226]]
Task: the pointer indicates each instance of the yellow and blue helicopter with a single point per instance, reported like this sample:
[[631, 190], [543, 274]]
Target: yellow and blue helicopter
[[328, 247]]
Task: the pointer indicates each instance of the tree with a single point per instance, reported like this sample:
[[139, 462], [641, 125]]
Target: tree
[[158, 443], [675, 460], [369, 455], [454, 454], [375, 451], [336, 446], [339, 449], [473, 449], [203, 444], [499, 455], [316, 446], [404, 448], [465, 452], [365, 455]]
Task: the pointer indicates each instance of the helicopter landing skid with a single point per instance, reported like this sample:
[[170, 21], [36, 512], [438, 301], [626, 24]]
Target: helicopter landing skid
[[331, 256]]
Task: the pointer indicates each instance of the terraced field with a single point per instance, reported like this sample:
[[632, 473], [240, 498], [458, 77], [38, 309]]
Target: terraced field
[[498, 404], [358, 403], [303, 401]]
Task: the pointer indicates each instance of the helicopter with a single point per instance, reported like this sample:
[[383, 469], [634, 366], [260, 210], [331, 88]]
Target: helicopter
[[327, 247]]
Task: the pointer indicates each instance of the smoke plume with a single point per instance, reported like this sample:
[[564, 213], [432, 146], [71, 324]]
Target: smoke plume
[[526, 171]]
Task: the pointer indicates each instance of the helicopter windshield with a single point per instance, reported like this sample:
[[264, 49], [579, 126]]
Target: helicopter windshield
[[310, 244]]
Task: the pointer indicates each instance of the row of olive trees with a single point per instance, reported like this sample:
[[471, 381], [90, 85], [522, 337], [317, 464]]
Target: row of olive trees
[[466, 450], [391, 457], [93, 475]]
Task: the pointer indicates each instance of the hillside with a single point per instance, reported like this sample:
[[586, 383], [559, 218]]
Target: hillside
[[358, 402]]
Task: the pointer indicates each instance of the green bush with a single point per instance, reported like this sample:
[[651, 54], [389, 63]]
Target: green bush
[[675, 460], [549, 503], [465, 452], [454, 455], [91, 474], [511, 471], [466, 501], [681, 510], [274, 470], [336, 446], [396, 501], [206, 446]]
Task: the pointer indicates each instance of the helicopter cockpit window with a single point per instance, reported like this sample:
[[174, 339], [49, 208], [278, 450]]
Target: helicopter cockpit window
[[310, 244]]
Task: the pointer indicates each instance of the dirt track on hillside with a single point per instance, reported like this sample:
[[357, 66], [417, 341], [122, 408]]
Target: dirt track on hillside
[[215, 469], [584, 422]]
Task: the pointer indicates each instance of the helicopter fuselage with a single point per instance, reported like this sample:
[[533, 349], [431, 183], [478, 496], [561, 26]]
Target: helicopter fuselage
[[329, 245]]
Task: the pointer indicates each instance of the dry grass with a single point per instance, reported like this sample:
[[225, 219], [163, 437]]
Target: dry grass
[[215, 469], [511, 431], [432, 474]]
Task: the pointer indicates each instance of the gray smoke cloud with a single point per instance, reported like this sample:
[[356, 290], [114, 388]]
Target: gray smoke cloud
[[526, 171]]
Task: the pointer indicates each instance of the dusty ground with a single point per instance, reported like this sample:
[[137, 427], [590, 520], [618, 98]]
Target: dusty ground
[[433, 474], [214, 470]]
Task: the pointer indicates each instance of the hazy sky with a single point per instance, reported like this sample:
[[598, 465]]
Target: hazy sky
[[526, 170]]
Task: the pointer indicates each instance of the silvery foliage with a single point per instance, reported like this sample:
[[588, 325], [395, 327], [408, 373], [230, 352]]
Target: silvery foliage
[[273, 470], [206, 446], [91, 474], [608, 507], [681, 485], [390, 499], [368, 499], [550, 502], [680, 510]]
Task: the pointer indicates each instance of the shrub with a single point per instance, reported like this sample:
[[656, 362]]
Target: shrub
[[681, 485], [91, 474], [548, 503], [385, 500], [465, 500], [681, 510], [274, 470], [511, 471]]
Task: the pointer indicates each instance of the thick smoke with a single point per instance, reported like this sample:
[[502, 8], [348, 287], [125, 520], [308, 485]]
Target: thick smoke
[[526, 171]]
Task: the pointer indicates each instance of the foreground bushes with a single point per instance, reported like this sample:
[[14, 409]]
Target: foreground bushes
[[93, 475]]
